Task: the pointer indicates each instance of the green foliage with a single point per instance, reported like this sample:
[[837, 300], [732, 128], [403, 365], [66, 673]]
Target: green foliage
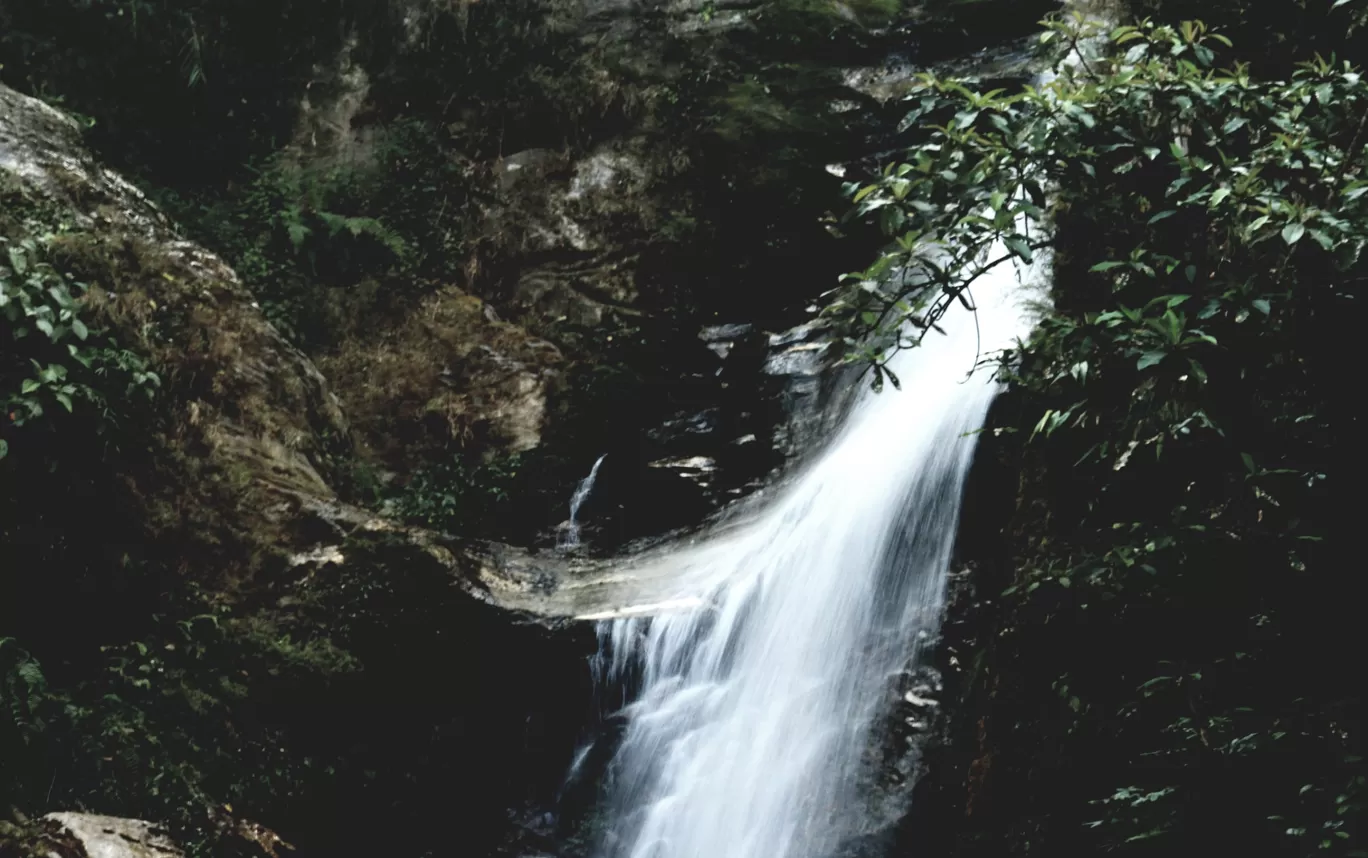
[[1274, 36], [304, 237], [183, 91], [158, 730], [22, 684], [49, 356], [286, 224], [458, 496], [203, 715], [1179, 413]]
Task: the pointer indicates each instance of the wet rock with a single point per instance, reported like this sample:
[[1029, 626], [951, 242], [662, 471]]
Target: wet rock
[[721, 339], [696, 469], [624, 18], [813, 391], [701, 424]]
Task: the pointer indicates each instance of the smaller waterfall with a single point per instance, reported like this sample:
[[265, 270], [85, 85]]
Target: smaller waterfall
[[570, 539]]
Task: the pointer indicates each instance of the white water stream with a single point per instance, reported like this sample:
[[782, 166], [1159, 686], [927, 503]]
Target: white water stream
[[571, 538], [755, 707]]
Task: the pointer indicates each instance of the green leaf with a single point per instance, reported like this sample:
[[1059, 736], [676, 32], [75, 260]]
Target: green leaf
[[297, 233], [1261, 305], [1020, 247], [63, 398], [81, 357], [30, 385], [18, 261], [1149, 359], [1322, 239], [79, 329], [1107, 266], [1293, 232]]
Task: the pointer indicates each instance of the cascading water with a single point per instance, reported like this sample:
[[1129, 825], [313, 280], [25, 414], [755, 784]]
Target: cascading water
[[754, 709], [571, 538]]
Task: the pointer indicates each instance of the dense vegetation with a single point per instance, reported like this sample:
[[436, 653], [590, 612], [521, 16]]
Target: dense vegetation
[[187, 97], [1169, 664]]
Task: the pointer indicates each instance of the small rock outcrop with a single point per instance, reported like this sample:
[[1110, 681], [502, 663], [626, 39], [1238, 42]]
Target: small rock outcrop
[[86, 835]]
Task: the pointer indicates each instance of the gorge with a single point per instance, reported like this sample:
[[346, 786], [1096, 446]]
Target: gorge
[[465, 428]]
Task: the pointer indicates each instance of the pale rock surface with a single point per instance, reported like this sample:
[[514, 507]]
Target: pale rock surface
[[114, 837]]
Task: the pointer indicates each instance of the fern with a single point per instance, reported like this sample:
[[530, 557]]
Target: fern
[[32, 676], [192, 55], [22, 684], [358, 226]]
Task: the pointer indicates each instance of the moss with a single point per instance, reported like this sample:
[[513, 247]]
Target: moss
[[26, 838], [24, 213], [158, 300], [444, 380]]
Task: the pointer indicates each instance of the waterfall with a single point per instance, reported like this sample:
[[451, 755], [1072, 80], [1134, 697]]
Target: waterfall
[[753, 712], [571, 538]]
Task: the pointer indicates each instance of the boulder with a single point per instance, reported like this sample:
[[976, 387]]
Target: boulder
[[247, 422], [86, 835]]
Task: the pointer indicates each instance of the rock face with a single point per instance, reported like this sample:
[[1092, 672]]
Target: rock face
[[109, 837], [448, 374], [583, 234], [571, 223], [248, 428], [241, 403]]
